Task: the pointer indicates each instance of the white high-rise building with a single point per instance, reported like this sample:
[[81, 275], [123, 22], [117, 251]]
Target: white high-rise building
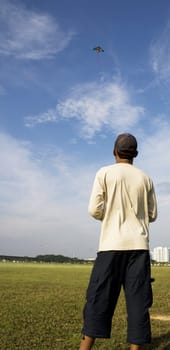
[[161, 254]]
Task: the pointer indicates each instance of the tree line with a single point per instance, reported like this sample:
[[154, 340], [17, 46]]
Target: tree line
[[50, 258]]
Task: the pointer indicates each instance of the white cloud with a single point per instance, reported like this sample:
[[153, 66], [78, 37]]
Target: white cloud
[[154, 159], [154, 150], [160, 55], [26, 34], [40, 184], [43, 203], [95, 105]]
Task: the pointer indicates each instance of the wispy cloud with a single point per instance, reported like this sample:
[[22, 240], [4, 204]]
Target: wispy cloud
[[164, 188], [26, 34], [42, 199], [154, 160], [160, 55], [95, 105], [39, 180]]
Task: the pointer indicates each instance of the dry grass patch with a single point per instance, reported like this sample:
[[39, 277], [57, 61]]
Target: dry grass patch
[[161, 318]]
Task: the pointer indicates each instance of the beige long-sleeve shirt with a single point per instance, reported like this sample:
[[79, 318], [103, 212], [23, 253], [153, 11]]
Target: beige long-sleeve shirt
[[123, 198]]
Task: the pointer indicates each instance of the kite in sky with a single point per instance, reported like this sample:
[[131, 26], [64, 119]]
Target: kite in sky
[[98, 49]]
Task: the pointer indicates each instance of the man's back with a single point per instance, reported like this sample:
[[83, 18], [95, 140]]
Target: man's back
[[123, 198]]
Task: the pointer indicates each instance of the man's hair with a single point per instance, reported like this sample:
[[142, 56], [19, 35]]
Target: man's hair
[[126, 146]]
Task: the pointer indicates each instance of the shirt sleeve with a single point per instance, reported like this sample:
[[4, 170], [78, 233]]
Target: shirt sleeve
[[96, 206], [152, 204]]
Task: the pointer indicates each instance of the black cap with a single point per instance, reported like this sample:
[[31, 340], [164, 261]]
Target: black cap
[[126, 146]]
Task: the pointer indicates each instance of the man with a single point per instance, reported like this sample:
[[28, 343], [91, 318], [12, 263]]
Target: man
[[123, 198]]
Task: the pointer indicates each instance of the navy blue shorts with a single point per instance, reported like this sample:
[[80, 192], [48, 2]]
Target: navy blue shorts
[[111, 271]]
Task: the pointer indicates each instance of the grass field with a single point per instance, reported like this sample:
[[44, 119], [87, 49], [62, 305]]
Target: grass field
[[41, 308]]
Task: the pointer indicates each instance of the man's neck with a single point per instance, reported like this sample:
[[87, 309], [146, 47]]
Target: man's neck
[[121, 160]]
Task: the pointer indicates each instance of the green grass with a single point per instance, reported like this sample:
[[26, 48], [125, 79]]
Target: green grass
[[41, 308]]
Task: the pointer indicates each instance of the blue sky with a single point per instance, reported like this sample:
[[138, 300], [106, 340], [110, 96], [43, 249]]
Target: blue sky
[[62, 105]]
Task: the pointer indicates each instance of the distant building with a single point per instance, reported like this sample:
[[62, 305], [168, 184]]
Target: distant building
[[161, 254]]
